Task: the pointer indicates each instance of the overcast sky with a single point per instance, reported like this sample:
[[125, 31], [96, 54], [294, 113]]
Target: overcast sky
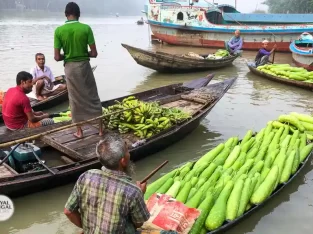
[[246, 6]]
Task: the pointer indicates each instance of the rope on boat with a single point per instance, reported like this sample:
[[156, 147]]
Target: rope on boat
[[10, 143]]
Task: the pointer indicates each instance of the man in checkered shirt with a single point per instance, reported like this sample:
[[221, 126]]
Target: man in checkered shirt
[[105, 201]]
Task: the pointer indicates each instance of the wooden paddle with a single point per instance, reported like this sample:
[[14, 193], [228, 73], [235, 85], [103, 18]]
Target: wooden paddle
[[273, 56], [153, 172], [61, 128]]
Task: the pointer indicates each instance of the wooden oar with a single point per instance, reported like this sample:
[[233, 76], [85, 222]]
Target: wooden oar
[[153, 172], [39, 160], [61, 128], [6, 157], [274, 56]]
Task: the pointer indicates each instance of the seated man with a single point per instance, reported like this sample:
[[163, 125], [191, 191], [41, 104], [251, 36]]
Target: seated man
[[16, 109], [263, 55], [43, 79], [235, 44]]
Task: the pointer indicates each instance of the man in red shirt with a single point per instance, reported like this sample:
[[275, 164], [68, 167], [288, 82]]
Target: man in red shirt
[[16, 109]]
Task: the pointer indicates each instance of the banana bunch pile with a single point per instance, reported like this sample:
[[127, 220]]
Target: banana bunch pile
[[145, 120]]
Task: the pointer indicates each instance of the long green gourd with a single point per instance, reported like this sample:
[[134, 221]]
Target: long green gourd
[[210, 156], [153, 187]]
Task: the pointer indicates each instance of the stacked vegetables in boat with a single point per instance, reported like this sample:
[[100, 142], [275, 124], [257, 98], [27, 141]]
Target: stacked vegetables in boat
[[288, 72], [218, 54], [64, 116], [146, 120], [234, 176]]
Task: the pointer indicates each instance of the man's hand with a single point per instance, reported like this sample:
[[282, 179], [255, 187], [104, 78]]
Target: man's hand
[[143, 186], [38, 113], [275, 46]]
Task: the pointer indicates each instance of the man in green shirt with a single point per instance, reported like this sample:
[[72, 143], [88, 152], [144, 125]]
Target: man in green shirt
[[74, 38]]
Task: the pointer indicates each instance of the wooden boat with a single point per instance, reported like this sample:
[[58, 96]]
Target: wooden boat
[[227, 225], [294, 83], [164, 62], [6, 136], [204, 24], [79, 154], [50, 101], [302, 51]]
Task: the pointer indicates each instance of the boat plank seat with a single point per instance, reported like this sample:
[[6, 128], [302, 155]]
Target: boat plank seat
[[5, 171], [83, 148]]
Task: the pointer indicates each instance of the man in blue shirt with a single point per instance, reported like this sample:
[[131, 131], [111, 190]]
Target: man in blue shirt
[[235, 44], [263, 55]]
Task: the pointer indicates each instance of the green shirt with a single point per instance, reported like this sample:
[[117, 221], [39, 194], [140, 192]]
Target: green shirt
[[74, 37]]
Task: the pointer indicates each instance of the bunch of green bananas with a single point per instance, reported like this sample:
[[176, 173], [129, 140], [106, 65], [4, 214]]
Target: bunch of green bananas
[[113, 122], [145, 120]]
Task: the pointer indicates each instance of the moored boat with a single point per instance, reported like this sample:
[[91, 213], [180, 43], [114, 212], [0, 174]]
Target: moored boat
[[140, 22], [206, 25], [302, 51], [79, 153], [294, 83], [164, 62]]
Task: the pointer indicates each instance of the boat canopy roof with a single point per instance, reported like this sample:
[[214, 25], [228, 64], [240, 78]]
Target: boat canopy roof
[[227, 8], [268, 18]]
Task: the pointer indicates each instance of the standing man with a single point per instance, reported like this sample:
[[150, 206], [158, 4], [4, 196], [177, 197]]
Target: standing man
[[105, 201], [43, 79], [74, 37]]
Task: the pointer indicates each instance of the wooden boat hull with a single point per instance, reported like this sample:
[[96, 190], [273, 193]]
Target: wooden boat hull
[[6, 136], [164, 62], [36, 181], [294, 83], [303, 61]]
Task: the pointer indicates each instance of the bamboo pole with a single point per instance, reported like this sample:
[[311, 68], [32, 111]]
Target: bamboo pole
[[153, 172], [10, 143]]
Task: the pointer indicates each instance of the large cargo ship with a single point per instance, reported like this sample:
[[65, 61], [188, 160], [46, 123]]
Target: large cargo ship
[[200, 23]]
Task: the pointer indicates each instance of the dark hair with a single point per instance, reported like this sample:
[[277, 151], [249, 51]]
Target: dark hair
[[72, 9], [23, 76], [39, 54]]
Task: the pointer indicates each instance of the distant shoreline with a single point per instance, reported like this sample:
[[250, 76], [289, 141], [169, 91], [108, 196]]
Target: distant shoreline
[[58, 13]]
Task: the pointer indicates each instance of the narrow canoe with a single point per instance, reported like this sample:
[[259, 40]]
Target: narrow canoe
[[171, 63], [50, 101], [80, 153], [294, 83]]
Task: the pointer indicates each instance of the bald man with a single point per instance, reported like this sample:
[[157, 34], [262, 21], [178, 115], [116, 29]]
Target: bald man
[[235, 44]]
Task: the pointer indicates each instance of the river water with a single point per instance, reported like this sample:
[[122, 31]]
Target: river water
[[249, 104]]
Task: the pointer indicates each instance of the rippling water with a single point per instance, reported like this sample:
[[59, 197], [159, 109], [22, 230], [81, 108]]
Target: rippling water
[[249, 104]]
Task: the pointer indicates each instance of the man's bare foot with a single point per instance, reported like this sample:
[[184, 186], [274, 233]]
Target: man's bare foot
[[78, 134], [40, 98], [100, 133]]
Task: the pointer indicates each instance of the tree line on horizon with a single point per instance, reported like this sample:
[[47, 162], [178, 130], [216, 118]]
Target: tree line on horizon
[[289, 6]]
